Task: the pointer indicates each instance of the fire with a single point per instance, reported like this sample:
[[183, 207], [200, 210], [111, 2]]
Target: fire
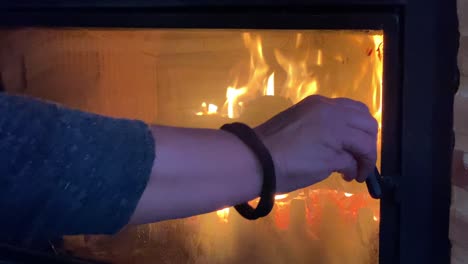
[[208, 109], [212, 109], [377, 78], [300, 66], [223, 214], [259, 68], [232, 96], [377, 81], [300, 82], [306, 90], [270, 88], [259, 80]]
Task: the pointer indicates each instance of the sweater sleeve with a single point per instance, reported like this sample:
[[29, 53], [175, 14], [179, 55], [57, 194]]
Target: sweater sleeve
[[65, 172]]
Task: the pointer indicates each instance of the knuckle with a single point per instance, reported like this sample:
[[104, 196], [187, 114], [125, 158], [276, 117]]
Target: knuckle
[[370, 150], [353, 103], [368, 142], [375, 125], [352, 163], [313, 99], [362, 105], [359, 104], [372, 125]]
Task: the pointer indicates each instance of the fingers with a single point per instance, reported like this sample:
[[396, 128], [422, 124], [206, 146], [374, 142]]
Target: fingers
[[348, 166], [356, 113], [357, 130], [359, 118], [360, 141], [362, 146], [362, 121], [349, 103], [363, 149], [342, 101]]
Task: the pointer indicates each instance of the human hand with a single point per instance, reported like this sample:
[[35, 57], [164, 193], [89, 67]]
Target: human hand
[[319, 136]]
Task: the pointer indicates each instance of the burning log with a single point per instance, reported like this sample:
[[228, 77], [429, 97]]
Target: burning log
[[298, 216], [281, 214]]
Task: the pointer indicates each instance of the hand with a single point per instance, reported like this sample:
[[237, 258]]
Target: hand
[[319, 136]]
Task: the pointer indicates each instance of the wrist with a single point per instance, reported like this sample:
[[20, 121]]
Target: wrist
[[197, 171], [241, 154], [279, 160]]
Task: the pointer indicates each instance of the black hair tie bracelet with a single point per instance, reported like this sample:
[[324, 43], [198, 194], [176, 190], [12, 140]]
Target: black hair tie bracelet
[[267, 194]]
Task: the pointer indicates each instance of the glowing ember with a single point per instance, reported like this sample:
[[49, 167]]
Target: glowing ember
[[280, 196], [376, 218], [208, 109], [212, 109], [348, 194]]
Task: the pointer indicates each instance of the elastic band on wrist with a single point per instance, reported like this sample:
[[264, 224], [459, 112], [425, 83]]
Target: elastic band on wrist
[[267, 194]]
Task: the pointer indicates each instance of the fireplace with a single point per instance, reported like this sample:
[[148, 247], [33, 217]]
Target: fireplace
[[205, 63]]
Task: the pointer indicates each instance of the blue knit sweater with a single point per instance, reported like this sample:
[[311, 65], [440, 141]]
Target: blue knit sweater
[[66, 172]]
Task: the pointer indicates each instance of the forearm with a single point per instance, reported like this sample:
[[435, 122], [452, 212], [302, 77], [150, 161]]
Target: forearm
[[197, 171]]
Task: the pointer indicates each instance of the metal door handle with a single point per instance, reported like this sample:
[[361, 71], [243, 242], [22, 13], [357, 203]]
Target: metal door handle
[[374, 184]]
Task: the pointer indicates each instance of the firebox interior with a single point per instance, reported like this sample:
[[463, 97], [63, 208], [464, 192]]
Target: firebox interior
[[205, 78]]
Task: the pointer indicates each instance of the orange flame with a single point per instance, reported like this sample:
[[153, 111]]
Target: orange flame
[[300, 82], [377, 81], [377, 78], [270, 87], [208, 109], [258, 67], [319, 57], [223, 214], [232, 97]]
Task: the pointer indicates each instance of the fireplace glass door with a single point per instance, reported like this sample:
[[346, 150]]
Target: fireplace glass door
[[205, 78]]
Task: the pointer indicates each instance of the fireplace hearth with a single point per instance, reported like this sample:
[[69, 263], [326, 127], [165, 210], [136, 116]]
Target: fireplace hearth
[[204, 63]]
